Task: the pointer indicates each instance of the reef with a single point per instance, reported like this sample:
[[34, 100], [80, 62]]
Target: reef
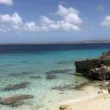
[[66, 87], [49, 77], [14, 100], [59, 71], [16, 86], [35, 77], [97, 68]]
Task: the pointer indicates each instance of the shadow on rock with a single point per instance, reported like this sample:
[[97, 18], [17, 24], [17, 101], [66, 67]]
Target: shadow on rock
[[15, 100], [16, 86]]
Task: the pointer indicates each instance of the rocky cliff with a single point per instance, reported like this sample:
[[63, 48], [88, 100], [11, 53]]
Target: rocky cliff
[[98, 68]]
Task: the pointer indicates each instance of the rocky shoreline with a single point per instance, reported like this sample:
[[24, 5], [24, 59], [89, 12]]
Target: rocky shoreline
[[98, 68]]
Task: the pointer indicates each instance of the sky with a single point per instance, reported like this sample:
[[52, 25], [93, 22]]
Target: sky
[[40, 21]]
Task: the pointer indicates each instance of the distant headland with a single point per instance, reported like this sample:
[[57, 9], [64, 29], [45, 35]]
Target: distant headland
[[68, 42]]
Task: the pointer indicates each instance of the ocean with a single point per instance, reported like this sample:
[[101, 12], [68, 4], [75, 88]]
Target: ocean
[[48, 70]]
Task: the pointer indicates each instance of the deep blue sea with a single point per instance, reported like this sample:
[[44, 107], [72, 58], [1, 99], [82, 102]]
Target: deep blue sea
[[32, 63]]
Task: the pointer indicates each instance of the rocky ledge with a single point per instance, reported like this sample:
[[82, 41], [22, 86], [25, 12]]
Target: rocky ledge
[[98, 68]]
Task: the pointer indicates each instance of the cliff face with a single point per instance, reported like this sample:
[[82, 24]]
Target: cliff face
[[98, 68]]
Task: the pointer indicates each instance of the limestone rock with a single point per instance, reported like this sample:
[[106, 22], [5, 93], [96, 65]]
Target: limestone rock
[[63, 107], [98, 68]]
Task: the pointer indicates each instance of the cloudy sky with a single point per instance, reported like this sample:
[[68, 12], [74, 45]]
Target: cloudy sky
[[32, 21]]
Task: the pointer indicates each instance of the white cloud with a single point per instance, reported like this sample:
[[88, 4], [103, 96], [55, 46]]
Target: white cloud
[[31, 26], [14, 19], [69, 21], [73, 18], [6, 2], [62, 11], [44, 28], [106, 21], [4, 29], [46, 20], [68, 26], [54, 26]]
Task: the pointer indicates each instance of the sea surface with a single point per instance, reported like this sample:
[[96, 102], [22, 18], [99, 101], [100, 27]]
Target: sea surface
[[39, 65]]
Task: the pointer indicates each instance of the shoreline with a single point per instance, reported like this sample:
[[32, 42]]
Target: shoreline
[[86, 102]]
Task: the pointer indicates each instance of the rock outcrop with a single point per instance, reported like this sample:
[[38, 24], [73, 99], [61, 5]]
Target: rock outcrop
[[98, 68]]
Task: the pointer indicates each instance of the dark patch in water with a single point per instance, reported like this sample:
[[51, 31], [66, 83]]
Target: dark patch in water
[[15, 100], [28, 72], [19, 74], [6, 65], [3, 70], [65, 87], [14, 75], [35, 77], [24, 61], [49, 77], [65, 62], [59, 71], [16, 86]]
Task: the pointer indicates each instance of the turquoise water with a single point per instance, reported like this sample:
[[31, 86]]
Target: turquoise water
[[37, 64]]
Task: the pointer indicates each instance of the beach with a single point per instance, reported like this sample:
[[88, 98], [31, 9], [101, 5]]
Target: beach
[[96, 102]]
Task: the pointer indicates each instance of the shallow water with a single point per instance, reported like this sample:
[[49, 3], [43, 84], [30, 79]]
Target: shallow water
[[22, 66]]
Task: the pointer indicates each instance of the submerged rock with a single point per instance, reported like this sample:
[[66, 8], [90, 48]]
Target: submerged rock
[[16, 86], [51, 77], [64, 87], [24, 61], [59, 71], [6, 65], [14, 100], [64, 62], [14, 75], [79, 86], [98, 68], [35, 77], [28, 72]]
